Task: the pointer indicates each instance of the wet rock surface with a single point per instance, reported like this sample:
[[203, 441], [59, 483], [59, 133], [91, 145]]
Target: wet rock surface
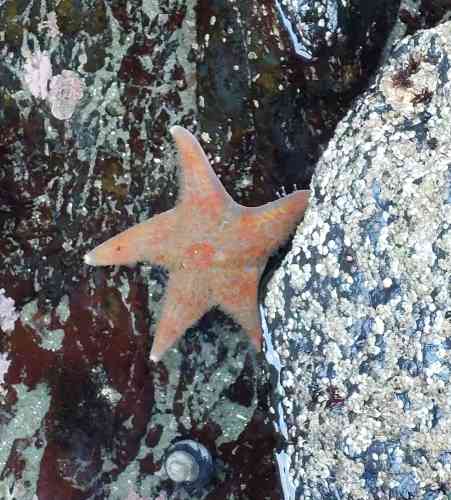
[[88, 93], [423, 14], [359, 332], [269, 112]]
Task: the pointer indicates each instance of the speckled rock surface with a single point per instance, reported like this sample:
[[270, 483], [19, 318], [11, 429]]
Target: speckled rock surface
[[88, 91], [269, 112], [359, 332]]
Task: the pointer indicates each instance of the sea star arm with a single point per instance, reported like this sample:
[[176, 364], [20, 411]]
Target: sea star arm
[[263, 229], [238, 297], [148, 241], [199, 185], [184, 304]]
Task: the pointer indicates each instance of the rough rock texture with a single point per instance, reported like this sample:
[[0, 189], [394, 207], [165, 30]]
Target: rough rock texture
[[267, 111], [358, 315], [88, 91], [423, 14]]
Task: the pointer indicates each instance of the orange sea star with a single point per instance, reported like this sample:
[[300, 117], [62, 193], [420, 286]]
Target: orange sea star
[[214, 248]]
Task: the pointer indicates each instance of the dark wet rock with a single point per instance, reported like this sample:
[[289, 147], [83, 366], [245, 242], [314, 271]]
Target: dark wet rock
[[423, 14], [415, 15], [269, 113], [83, 414], [359, 337], [340, 40], [72, 176]]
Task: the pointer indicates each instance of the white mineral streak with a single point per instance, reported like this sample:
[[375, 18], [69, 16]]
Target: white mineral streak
[[358, 311]]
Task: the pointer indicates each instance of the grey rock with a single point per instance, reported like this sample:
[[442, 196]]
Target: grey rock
[[358, 323]]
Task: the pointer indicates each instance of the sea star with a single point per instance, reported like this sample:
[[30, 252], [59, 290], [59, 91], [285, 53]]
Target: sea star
[[214, 248]]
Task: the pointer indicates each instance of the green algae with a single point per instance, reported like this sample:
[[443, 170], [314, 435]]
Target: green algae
[[69, 13]]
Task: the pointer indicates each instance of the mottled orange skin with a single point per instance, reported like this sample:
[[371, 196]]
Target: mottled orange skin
[[214, 249]]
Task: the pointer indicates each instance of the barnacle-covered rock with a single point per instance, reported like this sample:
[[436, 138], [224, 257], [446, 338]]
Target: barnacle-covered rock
[[417, 15], [359, 333]]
